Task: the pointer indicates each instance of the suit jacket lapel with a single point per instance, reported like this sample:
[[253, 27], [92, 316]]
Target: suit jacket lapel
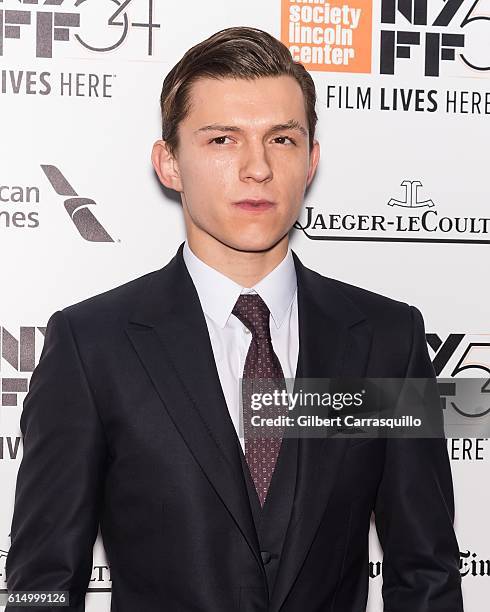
[[169, 332], [334, 341]]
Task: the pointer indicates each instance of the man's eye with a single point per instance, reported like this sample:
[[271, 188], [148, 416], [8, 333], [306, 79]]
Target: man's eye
[[285, 138], [219, 138]]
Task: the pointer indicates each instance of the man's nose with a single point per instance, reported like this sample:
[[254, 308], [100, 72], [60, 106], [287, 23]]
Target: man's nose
[[255, 164]]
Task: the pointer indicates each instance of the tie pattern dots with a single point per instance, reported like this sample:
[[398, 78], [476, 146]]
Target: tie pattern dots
[[262, 373]]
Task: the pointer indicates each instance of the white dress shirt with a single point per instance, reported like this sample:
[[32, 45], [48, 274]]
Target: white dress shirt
[[230, 339]]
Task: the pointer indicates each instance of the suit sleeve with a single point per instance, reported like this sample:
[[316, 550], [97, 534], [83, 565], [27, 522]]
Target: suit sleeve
[[414, 513], [60, 478]]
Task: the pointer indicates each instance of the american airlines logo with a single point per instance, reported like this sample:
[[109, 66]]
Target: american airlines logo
[[78, 208], [22, 206]]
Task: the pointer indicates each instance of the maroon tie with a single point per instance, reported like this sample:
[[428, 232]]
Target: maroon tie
[[261, 363]]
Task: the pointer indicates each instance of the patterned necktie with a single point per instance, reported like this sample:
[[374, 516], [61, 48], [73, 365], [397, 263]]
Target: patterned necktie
[[262, 373]]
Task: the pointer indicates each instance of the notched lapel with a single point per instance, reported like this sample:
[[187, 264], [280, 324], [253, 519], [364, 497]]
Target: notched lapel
[[169, 332]]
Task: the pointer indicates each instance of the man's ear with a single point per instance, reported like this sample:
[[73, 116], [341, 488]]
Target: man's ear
[[314, 159], [166, 166]]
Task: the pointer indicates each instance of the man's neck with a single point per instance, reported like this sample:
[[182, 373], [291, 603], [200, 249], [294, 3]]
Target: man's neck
[[246, 268]]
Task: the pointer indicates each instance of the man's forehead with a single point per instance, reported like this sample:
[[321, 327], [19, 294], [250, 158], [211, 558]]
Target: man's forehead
[[246, 103], [282, 90], [259, 82]]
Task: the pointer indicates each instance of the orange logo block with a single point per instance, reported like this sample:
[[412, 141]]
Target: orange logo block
[[333, 36]]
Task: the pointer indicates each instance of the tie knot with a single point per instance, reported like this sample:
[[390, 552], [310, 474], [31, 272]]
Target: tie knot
[[252, 311]]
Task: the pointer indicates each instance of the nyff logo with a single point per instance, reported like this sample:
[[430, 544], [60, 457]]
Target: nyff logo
[[439, 34], [42, 20], [18, 354], [462, 355], [78, 209]]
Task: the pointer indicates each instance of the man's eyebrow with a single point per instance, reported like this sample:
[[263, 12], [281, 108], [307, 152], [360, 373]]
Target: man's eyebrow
[[292, 124]]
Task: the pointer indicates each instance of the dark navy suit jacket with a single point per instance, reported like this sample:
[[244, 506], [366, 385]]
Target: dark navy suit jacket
[[125, 424]]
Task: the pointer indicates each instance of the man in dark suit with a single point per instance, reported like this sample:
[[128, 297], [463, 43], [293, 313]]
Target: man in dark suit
[[132, 418]]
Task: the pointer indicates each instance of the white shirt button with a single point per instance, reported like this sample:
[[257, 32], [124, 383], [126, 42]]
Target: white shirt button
[[246, 330]]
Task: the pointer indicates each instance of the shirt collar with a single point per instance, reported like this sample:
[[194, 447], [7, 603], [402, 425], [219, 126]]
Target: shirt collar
[[218, 293]]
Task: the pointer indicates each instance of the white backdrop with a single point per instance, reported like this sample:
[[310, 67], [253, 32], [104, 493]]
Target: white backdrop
[[399, 204]]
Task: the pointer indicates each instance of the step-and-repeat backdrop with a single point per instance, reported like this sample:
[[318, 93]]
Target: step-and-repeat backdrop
[[400, 204]]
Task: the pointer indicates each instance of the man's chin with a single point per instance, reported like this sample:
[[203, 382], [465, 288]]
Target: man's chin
[[254, 244]]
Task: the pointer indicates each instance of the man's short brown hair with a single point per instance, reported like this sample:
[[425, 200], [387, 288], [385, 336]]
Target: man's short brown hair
[[237, 52]]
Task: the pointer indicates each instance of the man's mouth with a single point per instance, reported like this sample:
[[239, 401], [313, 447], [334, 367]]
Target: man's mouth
[[255, 205]]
